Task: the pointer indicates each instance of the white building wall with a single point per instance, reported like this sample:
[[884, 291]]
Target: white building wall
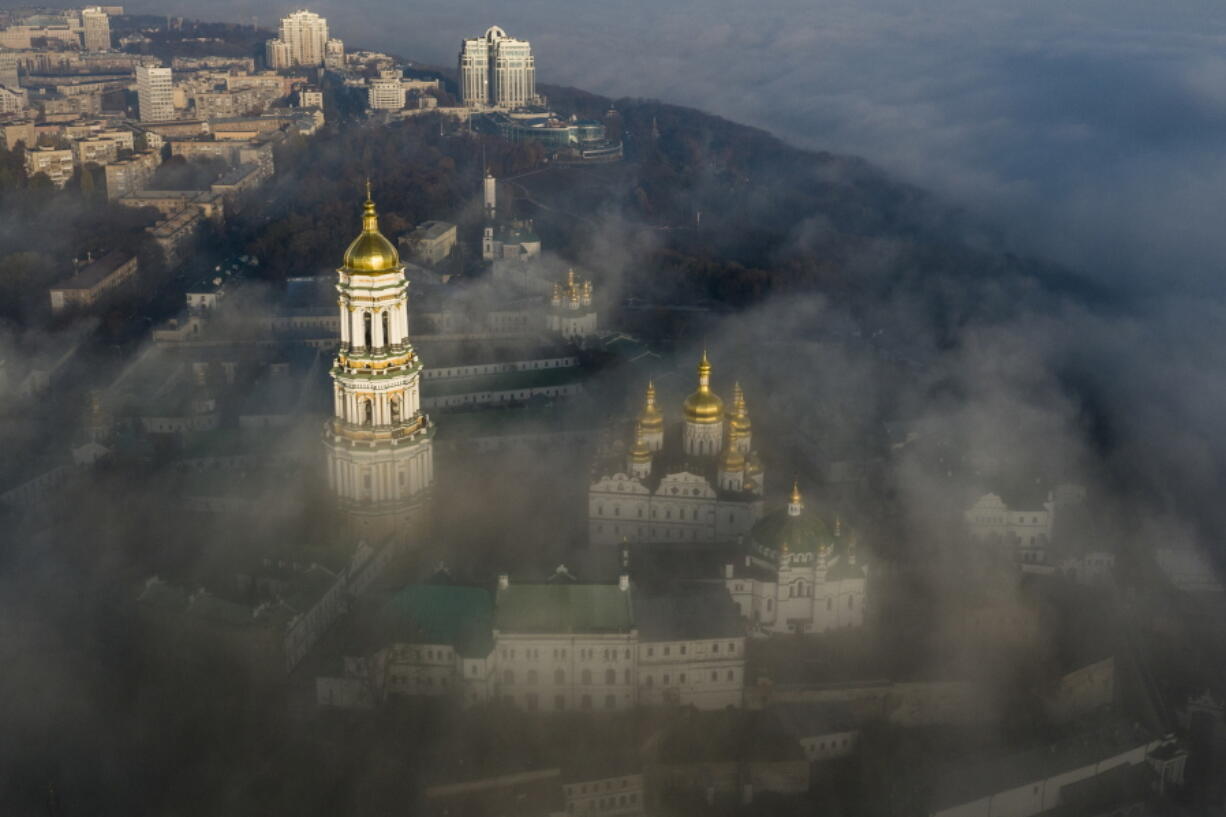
[[622, 507], [566, 672]]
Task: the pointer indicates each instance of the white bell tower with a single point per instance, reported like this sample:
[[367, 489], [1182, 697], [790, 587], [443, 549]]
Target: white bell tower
[[380, 459]]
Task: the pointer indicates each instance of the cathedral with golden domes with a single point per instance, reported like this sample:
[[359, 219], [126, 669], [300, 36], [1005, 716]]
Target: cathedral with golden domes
[[380, 458], [702, 484]]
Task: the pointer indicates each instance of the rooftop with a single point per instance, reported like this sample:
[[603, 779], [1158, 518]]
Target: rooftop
[[439, 614], [93, 274], [563, 608], [695, 611]]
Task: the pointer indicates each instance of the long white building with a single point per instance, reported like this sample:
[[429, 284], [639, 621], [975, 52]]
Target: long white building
[[497, 71], [554, 646], [380, 458]]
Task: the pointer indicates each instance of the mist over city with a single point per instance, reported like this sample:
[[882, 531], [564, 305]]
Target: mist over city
[[659, 409]]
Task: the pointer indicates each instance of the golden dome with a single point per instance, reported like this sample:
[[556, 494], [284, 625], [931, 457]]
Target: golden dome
[[704, 405], [370, 252], [651, 419], [639, 453], [733, 460]]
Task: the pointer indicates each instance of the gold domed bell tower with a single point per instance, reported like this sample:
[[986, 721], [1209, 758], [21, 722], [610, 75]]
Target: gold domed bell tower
[[704, 416], [380, 457]]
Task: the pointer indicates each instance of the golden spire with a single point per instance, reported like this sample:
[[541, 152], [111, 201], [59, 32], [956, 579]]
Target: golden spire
[[738, 414], [795, 503], [704, 406], [650, 418], [732, 458]]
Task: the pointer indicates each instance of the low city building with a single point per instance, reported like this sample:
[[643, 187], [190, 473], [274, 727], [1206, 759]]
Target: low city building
[[431, 242], [56, 163], [132, 174], [94, 282]]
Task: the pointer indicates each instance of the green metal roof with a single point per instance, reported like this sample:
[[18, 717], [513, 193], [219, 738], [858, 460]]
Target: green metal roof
[[563, 608], [441, 614]]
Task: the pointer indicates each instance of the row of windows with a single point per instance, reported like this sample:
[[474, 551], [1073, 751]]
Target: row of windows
[[666, 679], [441, 654], [558, 654], [605, 803], [559, 676], [682, 649], [668, 513], [596, 787], [666, 533]]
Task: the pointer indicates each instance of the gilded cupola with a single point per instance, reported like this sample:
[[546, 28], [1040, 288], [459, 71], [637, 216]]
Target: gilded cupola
[[371, 252], [639, 452], [650, 419], [704, 405]]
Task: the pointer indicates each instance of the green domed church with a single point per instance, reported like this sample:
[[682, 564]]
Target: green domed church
[[799, 575]]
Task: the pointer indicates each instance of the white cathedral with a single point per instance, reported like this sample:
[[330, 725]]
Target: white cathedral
[[380, 459], [704, 485]]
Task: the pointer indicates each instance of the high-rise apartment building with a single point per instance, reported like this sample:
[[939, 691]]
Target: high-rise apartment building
[[334, 54], [95, 29], [303, 40], [155, 94], [498, 71]]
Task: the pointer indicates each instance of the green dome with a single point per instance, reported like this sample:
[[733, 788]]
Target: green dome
[[805, 533]]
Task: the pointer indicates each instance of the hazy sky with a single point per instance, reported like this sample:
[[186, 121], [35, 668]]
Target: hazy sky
[[1093, 130]]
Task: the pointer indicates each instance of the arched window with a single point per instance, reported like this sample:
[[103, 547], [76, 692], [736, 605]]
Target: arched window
[[368, 413], [387, 328], [610, 676], [367, 328]]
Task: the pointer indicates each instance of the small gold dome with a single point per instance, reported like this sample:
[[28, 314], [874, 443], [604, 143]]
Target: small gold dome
[[733, 460], [755, 464], [651, 419], [639, 453], [704, 405], [370, 252]]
